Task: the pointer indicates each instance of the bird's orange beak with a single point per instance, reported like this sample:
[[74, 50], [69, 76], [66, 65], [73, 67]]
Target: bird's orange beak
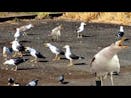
[[120, 42]]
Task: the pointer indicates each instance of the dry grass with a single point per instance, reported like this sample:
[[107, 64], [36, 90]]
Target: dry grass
[[102, 17], [123, 18]]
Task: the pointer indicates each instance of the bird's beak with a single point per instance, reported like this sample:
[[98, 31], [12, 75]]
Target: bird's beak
[[120, 42]]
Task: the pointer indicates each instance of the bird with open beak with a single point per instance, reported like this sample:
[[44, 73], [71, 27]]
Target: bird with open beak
[[106, 61]]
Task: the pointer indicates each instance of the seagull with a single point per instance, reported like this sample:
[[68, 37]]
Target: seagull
[[17, 34], [33, 83], [80, 30], [55, 51], [17, 48], [120, 34], [14, 62], [106, 61], [25, 28], [11, 82], [70, 56], [7, 51], [34, 53], [56, 33], [61, 79]]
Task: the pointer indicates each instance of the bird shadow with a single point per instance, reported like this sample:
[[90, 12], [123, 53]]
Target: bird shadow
[[43, 61], [80, 64], [63, 58], [65, 82], [25, 41], [87, 35], [33, 34], [27, 68]]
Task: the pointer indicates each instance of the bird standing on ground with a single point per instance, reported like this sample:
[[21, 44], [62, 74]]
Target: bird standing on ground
[[17, 34], [70, 56], [61, 79], [106, 61], [11, 82], [25, 28], [17, 48], [13, 62], [56, 33], [33, 83], [55, 50], [120, 34], [80, 30], [34, 53]]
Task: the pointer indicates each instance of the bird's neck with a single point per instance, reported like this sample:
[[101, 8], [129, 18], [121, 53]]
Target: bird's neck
[[68, 50]]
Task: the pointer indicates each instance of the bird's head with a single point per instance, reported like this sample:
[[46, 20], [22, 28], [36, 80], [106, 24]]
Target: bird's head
[[11, 81], [31, 25], [66, 46], [121, 29], [83, 23], [27, 48], [47, 44], [119, 44]]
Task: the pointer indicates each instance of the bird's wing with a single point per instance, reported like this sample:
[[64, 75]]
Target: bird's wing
[[73, 56], [39, 55], [60, 51]]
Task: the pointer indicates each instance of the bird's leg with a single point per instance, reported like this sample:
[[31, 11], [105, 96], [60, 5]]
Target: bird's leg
[[101, 78], [35, 60], [20, 53], [25, 34], [15, 68], [56, 56], [78, 35], [111, 76], [16, 53], [71, 63], [4, 54]]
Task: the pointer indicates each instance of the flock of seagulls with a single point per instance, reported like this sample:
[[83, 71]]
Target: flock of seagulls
[[103, 63]]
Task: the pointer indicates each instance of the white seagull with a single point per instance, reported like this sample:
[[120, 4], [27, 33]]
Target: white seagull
[[70, 56], [106, 61], [13, 62], [7, 52], [120, 34], [34, 53], [25, 28], [55, 51], [33, 83], [56, 33], [17, 48], [17, 34], [80, 30]]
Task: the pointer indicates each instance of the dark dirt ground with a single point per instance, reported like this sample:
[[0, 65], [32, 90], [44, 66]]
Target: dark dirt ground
[[96, 37]]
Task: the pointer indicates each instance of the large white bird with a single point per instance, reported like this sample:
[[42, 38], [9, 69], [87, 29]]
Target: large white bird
[[55, 51], [80, 30], [56, 33], [70, 56], [106, 61], [34, 53], [13, 62], [17, 48]]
